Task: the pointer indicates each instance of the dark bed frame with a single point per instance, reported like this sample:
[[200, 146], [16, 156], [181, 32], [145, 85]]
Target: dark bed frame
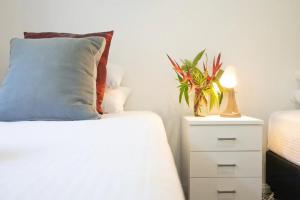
[[283, 177]]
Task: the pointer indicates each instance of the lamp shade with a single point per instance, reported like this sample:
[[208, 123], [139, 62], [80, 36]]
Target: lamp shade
[[228, 79]]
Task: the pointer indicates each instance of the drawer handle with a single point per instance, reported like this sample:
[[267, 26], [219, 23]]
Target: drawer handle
[[227, 138], [226, 191], [226, 165]]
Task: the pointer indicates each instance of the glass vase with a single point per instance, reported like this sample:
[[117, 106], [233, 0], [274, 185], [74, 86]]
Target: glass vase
[[200, 104]]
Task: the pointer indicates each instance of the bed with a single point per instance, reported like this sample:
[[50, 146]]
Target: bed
[[283, 156], [121, 156]]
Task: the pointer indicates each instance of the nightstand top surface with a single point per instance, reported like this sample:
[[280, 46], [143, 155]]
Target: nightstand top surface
[[216, 119]]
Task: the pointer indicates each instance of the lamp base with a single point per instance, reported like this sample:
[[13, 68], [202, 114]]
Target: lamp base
[[231, 109], [230, 115]]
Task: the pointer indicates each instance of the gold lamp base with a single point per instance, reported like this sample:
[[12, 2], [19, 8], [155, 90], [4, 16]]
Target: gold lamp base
[[231, 109], [233, 115]]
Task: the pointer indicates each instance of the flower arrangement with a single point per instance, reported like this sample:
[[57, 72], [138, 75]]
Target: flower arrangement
[[207, 88]]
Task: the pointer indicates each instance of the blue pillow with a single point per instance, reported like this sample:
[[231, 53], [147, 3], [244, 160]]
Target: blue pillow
[[51, 79]]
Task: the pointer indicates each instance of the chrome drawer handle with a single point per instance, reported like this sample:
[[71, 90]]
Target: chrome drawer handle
[[226, 191], [227, 138], [226, 165]]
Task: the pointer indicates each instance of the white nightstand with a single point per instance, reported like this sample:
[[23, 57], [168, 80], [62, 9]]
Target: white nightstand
[[222, 158]]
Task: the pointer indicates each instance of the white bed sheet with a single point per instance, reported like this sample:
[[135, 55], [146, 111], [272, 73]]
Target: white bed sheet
[[284, 135], [120, 157]]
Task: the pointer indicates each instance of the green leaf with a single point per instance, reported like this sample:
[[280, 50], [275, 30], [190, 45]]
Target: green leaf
[[214, 99], [180, 95], [219, 91], [179, 78], [219, 74], [198, 58], [186, 96], [206, 94], [197, 76], [184, 89], [220, 98], [187, 65], [212, 102], [219, 85], [215, 87]]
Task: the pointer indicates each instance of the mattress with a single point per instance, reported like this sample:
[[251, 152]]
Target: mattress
[[122, 156], [284, 135]]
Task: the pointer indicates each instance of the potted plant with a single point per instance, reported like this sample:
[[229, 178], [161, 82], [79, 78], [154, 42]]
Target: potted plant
[[208, 92]]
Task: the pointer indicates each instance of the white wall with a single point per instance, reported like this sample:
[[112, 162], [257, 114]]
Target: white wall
[[259, 37]]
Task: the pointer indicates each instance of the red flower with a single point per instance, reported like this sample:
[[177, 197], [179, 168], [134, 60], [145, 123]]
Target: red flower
[[216, 65], [185, 76]]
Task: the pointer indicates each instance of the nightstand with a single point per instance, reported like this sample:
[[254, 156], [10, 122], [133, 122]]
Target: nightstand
[[222, 158]]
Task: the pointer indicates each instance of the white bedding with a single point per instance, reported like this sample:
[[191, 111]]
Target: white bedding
[[121, 157], [284, 135]]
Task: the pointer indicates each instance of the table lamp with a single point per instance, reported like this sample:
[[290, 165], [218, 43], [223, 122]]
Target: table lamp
[[228, 81]]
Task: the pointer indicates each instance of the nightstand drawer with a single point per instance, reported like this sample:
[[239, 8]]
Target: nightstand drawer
[[226, 164], [225, 188], [225, 138]]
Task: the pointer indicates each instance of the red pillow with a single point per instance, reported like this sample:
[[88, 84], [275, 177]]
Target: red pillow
[[101, 69]]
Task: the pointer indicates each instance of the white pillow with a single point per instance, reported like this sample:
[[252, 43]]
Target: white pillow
[[114, 76], [115, 99]]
